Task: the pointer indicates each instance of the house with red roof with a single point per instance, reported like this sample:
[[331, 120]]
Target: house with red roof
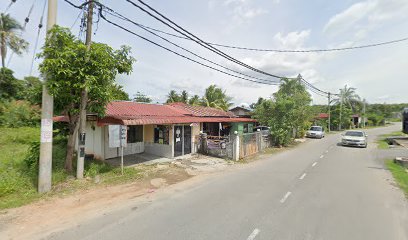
[[167, 130]]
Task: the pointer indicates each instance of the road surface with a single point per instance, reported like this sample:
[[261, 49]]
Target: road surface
[[318, 190]]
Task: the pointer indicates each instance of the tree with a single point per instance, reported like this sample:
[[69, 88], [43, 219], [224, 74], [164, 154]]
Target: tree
[[119, 94], [140, 97], [32, 90], [173, 97], [349, 97], [10, 87], [9, 37], [67, 63], [184, 96], [194, 100], [217, 98], [288, 113]]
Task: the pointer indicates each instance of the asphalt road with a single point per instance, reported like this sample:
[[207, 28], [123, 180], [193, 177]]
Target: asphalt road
[[318, 190]]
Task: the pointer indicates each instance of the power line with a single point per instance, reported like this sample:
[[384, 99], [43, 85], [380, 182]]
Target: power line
[[181, 55], [178, 46], [283, 50], [199, 41], [40, 25], [195, 38], [8, 6]]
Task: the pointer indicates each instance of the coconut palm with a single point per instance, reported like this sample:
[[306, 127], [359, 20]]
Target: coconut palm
[[184, 96], [194, 100], [347, 96], [9, 37], [217, 98], [173, 97]]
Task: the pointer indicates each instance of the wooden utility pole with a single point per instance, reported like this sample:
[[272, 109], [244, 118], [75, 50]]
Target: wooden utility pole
[[328, 110], [341, 108], [47, 109], [84, 100]]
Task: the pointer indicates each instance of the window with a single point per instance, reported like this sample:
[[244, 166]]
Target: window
[[135, 134], [246, 128], [161, 134]]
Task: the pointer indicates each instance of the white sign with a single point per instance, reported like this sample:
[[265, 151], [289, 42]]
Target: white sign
[[123, 136], [114, 138], [117, 136]]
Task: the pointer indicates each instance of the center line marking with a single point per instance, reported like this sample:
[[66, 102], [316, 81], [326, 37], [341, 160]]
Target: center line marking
[[314, 164], [321, 156], [285, 197], [327, 151], [303, 176], [253, 234]]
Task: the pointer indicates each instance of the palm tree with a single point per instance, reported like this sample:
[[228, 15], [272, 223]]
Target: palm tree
[[347, 96], [194, 100], [9, 38], [184, 96], [173, 97], [217, 98]]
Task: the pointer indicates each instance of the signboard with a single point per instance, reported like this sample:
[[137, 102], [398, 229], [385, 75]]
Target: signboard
[[123, 136], [117, 136]]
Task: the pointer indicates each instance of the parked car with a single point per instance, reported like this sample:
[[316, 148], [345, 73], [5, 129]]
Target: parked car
[[354, 138], [315, 132], [265, 131]]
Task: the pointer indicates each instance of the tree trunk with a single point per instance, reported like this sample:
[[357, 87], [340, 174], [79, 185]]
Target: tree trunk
[[73, 129], [3, 51]]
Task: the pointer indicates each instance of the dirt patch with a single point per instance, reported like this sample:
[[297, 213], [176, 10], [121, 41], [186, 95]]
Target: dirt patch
[[42, 217]]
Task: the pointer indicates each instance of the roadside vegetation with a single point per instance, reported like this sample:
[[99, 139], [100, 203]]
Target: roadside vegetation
[[382, 140], [400, 174], [19, 169]]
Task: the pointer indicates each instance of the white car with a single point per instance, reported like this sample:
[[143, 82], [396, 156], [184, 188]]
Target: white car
[[354, 138], [315, 132]]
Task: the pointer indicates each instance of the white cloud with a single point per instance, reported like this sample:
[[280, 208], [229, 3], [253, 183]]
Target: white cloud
[[363, 17], [288, 64]]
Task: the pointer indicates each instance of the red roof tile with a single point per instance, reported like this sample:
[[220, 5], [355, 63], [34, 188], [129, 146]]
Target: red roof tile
[[132, 113], [201, 111], [323, 115]]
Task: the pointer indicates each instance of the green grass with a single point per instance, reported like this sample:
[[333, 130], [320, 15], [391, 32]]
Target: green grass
[[18, 183], [381, 141], [400, 175]]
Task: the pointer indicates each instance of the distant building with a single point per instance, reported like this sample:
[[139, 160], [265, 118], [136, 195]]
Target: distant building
[[241, 112]]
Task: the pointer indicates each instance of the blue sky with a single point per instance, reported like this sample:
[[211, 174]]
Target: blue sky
[[379, 74]]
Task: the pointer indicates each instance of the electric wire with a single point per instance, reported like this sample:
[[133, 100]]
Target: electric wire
[[179, 54], [9, 6], [195, 38], [113, 13], [40, 26], [178, 46]]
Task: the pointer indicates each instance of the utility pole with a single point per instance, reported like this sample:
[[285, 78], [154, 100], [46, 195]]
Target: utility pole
[[47, 109], [328, 108], [84, 100], [341, 108], [364, 112]]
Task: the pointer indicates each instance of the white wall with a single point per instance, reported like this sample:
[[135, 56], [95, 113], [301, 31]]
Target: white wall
[[94, 140]]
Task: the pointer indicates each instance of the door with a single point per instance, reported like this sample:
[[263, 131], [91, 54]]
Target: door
[[187, 139], [178, 141]]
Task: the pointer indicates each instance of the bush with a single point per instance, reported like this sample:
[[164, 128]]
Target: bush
[[19, 114]]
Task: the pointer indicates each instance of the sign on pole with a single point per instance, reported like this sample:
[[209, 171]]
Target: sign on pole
[[118, 138]]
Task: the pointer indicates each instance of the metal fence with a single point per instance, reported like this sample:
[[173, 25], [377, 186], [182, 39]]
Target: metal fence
[[248, 144]]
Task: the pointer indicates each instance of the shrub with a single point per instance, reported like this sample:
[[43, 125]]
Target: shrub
[[19, 113]]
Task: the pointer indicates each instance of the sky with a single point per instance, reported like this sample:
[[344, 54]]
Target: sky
[[379, 74]]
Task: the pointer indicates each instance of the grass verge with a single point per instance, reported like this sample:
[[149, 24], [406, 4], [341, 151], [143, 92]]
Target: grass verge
[[400, 175], [381, 141], [18, 182]]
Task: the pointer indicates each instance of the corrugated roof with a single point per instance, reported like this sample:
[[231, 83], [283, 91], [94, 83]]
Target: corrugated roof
[[201, 111], [132, 113]]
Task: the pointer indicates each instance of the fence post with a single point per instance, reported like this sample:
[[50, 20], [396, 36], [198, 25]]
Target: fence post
[[235, 154]]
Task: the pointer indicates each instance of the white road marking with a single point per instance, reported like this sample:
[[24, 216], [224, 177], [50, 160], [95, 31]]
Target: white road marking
[[314, 164], [253, 234], [327, 151], [303, 176], [321, 156], [285, 197]]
